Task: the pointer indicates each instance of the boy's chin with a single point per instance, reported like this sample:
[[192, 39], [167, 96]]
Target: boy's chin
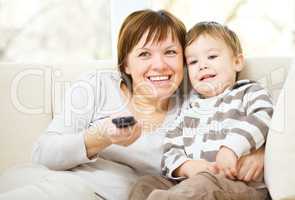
[[207, 94], [206, 90]]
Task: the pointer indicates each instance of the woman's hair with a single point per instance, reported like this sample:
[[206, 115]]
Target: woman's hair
[[158, 24], [217, 30]]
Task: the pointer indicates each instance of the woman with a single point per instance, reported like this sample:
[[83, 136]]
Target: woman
[[85, 144]]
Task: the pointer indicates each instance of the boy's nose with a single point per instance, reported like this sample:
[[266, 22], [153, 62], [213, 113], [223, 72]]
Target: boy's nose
[[203, 66]]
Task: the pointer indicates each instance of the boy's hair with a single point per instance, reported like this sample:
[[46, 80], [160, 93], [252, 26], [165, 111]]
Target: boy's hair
[[217, 30]]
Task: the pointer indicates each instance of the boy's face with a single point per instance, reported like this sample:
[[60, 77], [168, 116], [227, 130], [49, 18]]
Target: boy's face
[[212, 66]]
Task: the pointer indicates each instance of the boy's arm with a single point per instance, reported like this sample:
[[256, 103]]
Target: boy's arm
[[249, 132], [191, 167]]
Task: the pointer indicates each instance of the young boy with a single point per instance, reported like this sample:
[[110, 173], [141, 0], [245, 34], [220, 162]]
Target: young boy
[[223, 120]]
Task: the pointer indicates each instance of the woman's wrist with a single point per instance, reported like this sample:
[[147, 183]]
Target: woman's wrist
[[94, 143]]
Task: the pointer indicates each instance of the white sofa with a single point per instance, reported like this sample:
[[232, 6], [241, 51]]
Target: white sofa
[[30, 93]]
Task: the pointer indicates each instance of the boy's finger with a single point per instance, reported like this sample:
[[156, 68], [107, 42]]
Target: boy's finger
[[229, 174], [212, 169], [234, 172]]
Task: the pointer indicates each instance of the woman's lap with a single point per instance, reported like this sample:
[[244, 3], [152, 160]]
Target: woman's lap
[[37, 182]]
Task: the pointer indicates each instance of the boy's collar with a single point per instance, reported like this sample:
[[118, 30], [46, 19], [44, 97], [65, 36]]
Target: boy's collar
[[195, 97]]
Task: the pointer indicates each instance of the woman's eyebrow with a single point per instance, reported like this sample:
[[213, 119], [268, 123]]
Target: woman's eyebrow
[[142, 48], [148, 48], [171, 46]]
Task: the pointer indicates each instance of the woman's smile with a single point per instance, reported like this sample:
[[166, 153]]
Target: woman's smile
[[160, 80]]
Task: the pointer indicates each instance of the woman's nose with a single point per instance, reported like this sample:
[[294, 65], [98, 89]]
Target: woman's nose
[[159, 62]]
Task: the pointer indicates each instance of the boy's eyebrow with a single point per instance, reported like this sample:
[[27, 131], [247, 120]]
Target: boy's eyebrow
[[188, 56], [213, 49]]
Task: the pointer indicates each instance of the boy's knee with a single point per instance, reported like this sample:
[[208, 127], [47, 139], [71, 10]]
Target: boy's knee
[[207, 181], [159, 194], [145, 185], [201, 184]]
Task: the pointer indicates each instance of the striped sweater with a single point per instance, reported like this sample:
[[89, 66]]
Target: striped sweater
[[238, 119]]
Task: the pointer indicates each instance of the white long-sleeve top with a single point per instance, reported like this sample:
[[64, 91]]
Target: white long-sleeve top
[[61, 147]]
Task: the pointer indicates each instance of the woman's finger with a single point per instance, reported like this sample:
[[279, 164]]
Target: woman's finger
[[135, 132], [243, 168], [257, 173], [250, 174]]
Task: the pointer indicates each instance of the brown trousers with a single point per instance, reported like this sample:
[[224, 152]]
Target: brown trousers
[[203, 186]]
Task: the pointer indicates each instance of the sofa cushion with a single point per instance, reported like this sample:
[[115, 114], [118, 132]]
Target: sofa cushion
[[25, 110], [280, 146], [270, 72]]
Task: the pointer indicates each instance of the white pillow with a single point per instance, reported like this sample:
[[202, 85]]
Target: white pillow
[[280, 147]]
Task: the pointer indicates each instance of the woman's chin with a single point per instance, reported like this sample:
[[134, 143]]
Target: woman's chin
[[162, 94]]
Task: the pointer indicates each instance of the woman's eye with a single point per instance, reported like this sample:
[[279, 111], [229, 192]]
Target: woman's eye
[[170, 52], [144, 54], [212, 57]]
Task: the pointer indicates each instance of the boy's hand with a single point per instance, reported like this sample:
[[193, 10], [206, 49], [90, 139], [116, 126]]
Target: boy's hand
[[192, 167], [226, 161]]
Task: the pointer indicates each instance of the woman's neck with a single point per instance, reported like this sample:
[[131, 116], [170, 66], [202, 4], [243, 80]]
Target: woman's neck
[[148, 105], [150, 112], [143, 103]]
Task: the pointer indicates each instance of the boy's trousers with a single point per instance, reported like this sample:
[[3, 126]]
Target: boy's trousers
[[203, 186]]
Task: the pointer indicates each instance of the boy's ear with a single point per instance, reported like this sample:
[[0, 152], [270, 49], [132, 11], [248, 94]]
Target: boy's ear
[[239, 62]]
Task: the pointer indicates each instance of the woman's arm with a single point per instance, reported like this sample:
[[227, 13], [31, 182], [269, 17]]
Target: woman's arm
[[95, 143], [250, 167], [96, 140], [62, 145]]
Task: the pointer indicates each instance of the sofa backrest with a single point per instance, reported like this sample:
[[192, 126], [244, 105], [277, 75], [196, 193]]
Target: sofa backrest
[[30, 94], [270, 72]]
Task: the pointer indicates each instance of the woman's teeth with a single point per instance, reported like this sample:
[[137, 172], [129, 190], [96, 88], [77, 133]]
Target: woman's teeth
[[158, 78]]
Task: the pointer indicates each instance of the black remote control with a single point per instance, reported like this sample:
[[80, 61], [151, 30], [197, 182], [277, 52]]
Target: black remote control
[[123, 122]]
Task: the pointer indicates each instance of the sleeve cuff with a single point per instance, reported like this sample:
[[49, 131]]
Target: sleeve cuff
[[238, 144], [178, 163], [83, 153], [75, 150]]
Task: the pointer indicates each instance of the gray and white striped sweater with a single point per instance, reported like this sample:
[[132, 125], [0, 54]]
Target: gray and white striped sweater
[[238, 119]]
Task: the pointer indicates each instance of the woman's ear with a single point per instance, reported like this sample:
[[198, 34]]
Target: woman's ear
[[239, 62], [127, 70]]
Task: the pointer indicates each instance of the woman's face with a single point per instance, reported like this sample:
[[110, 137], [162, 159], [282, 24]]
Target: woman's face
[[156, 69]]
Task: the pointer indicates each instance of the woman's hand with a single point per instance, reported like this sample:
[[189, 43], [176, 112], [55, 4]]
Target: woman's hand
[[119, 136], [250, 167], [104, 133]]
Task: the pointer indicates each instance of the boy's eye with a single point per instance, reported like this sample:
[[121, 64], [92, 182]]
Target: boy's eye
[[144, 54], [212, 57], [192, 62], [170, 52]]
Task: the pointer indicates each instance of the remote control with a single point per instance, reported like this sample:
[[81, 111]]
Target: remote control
[[123, 122]]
